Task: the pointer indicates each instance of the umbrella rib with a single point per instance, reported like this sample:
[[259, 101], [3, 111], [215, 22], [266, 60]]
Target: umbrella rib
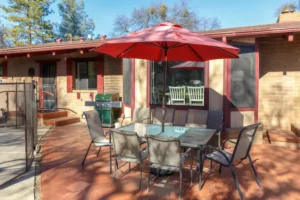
[[177, 45], [150, 44], [226, 52], [128, 49], [193, 50]]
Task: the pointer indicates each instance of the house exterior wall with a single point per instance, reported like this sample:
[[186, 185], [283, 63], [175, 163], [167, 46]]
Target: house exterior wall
[[216, 84], [279, 82], [113, 79]]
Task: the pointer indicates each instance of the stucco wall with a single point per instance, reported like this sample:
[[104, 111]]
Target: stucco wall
[[216, 78], [140, 83]]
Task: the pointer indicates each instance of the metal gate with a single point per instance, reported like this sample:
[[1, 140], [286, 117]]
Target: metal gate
[[18, 128]]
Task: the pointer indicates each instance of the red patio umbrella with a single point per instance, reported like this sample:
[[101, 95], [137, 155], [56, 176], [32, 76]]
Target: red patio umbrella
[[190, 65], [167, 42]]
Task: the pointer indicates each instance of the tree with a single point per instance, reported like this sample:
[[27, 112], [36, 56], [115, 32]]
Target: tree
[[75, 22], [291, 5], [4, 42], [28, 21], [180, 13]]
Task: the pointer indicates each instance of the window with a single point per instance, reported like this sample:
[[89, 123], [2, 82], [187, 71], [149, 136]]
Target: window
[[185, 83], [127, 81], [243, 81], [86, 75]]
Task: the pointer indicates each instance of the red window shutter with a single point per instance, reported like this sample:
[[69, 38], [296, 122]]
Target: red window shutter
[[69, 75], [100, 74], [4, 70]]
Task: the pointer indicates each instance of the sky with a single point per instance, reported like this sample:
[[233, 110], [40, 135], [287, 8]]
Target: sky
[[231, 13]]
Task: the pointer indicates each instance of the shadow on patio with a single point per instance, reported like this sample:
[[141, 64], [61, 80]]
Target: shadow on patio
[[62, 177]]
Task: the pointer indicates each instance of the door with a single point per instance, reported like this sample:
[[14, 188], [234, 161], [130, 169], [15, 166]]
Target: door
[[49, 85]]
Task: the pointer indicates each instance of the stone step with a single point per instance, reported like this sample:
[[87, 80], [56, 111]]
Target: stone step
[[61, 121], [284, 138], [51, 115]]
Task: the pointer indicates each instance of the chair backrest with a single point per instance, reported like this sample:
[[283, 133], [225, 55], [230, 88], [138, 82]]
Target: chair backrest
[[94, 124], [164, 151], [244, 142], [196, 93], [157, 117], [126, 144], [196, 117], [180, 117], [214, 119], [140, 114], [177, 93]]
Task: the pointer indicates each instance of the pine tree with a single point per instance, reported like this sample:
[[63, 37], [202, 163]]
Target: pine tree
[[75, 21], [28, 19]]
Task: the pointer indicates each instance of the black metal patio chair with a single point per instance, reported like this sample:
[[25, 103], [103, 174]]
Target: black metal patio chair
[[240, 153], [165, 154], [96, 132], [215, 121], [127, 148]]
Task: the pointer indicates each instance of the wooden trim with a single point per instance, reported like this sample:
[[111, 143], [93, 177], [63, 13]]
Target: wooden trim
[[40, 81], [257, 78], [148, 76], [253, 33], [69, 74], [4, 70], [226, 93], [179, 107], [100, 74], [206, 85], [47, 61], [87, 59]]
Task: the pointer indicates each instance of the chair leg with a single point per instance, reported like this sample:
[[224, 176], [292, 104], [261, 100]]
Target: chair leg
[[129, 167], [254, 171], [210, 164], [99, 151], [86, 154], [236, 182], [148, 184], [180, 186], [191, 166], [115, 172], [141, 175]]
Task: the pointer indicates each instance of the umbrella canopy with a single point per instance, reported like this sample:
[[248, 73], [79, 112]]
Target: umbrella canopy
[[167, 42], [190, 65]]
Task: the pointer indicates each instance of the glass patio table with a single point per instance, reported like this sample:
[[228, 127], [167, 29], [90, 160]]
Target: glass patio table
[[195, 138]]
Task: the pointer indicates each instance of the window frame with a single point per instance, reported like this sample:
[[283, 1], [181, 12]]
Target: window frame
[[76, 73], [181, 107]]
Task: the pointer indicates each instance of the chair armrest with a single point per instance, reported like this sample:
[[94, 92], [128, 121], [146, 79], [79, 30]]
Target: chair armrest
[[144, 119], [218, 150], [187, 152]]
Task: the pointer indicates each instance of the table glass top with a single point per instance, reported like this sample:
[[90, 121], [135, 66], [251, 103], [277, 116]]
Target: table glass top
[[190, 137]]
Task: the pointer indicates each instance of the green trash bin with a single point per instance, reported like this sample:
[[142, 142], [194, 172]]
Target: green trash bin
[[104, 104]]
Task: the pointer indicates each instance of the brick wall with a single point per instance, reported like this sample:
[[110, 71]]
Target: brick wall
[[113, 82], [113, 75], [279, 83]]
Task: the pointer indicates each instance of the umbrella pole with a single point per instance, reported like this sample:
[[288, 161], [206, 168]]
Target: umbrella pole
[[164, 94]]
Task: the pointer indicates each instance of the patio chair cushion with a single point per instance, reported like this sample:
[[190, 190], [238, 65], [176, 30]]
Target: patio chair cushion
[[100, 141], [144, 155], [218, 157]]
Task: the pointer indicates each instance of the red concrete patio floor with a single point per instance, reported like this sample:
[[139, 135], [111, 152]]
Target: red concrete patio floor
[[62, 176]]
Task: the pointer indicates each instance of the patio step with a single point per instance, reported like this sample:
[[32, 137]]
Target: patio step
[[61, 121], [284, 138], [51, 115]]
